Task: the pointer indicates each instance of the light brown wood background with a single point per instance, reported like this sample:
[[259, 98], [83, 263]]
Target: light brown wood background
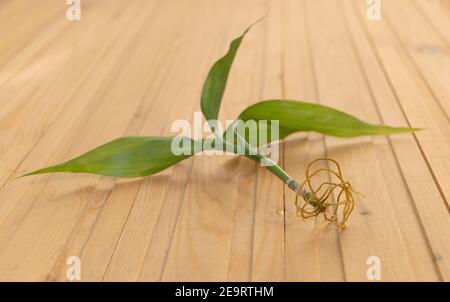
[[133, 67]]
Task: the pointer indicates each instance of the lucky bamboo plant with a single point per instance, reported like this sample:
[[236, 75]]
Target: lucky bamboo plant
[[143, 156]]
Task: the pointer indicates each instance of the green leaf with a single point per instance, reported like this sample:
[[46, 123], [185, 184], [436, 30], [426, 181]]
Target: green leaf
[[143, 156], [294, 116], [216, 81], [123, 157]]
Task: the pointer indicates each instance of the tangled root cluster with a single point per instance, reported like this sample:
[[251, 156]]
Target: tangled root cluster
[[329, 201]]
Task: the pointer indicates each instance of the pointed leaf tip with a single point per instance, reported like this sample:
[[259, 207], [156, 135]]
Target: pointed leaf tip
[[124, 157], [295, 116]]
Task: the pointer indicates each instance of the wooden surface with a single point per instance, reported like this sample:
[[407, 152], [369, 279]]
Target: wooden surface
[[134, 68]]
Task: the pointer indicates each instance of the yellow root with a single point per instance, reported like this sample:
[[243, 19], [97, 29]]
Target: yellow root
[[320, 204]]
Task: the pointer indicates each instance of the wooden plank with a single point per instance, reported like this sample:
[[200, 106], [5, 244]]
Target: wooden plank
[[245, 89], [418, 106], [201, 245], [309, 255], [431, 57], [133, 69], [19, 30], [44, 99], [437, 12], [403, 146], [133, 199], [268, 240], [49, 223], [341, 85], [242, 82], [150, 240], [426, 49], [26, 203], [82, 98], [407, 91]]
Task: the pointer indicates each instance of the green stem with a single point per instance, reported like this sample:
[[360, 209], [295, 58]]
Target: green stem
[[272, 166], [284, 177]]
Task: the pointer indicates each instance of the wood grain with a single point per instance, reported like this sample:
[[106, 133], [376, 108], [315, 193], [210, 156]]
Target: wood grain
[[134, 68]]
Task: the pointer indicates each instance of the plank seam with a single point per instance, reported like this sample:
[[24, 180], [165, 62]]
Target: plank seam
[[416, 68], [432, 25], [412, 63], [317, 94], [391, 147]]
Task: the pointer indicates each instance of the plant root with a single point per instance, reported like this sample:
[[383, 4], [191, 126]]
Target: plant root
[[317, 200]]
